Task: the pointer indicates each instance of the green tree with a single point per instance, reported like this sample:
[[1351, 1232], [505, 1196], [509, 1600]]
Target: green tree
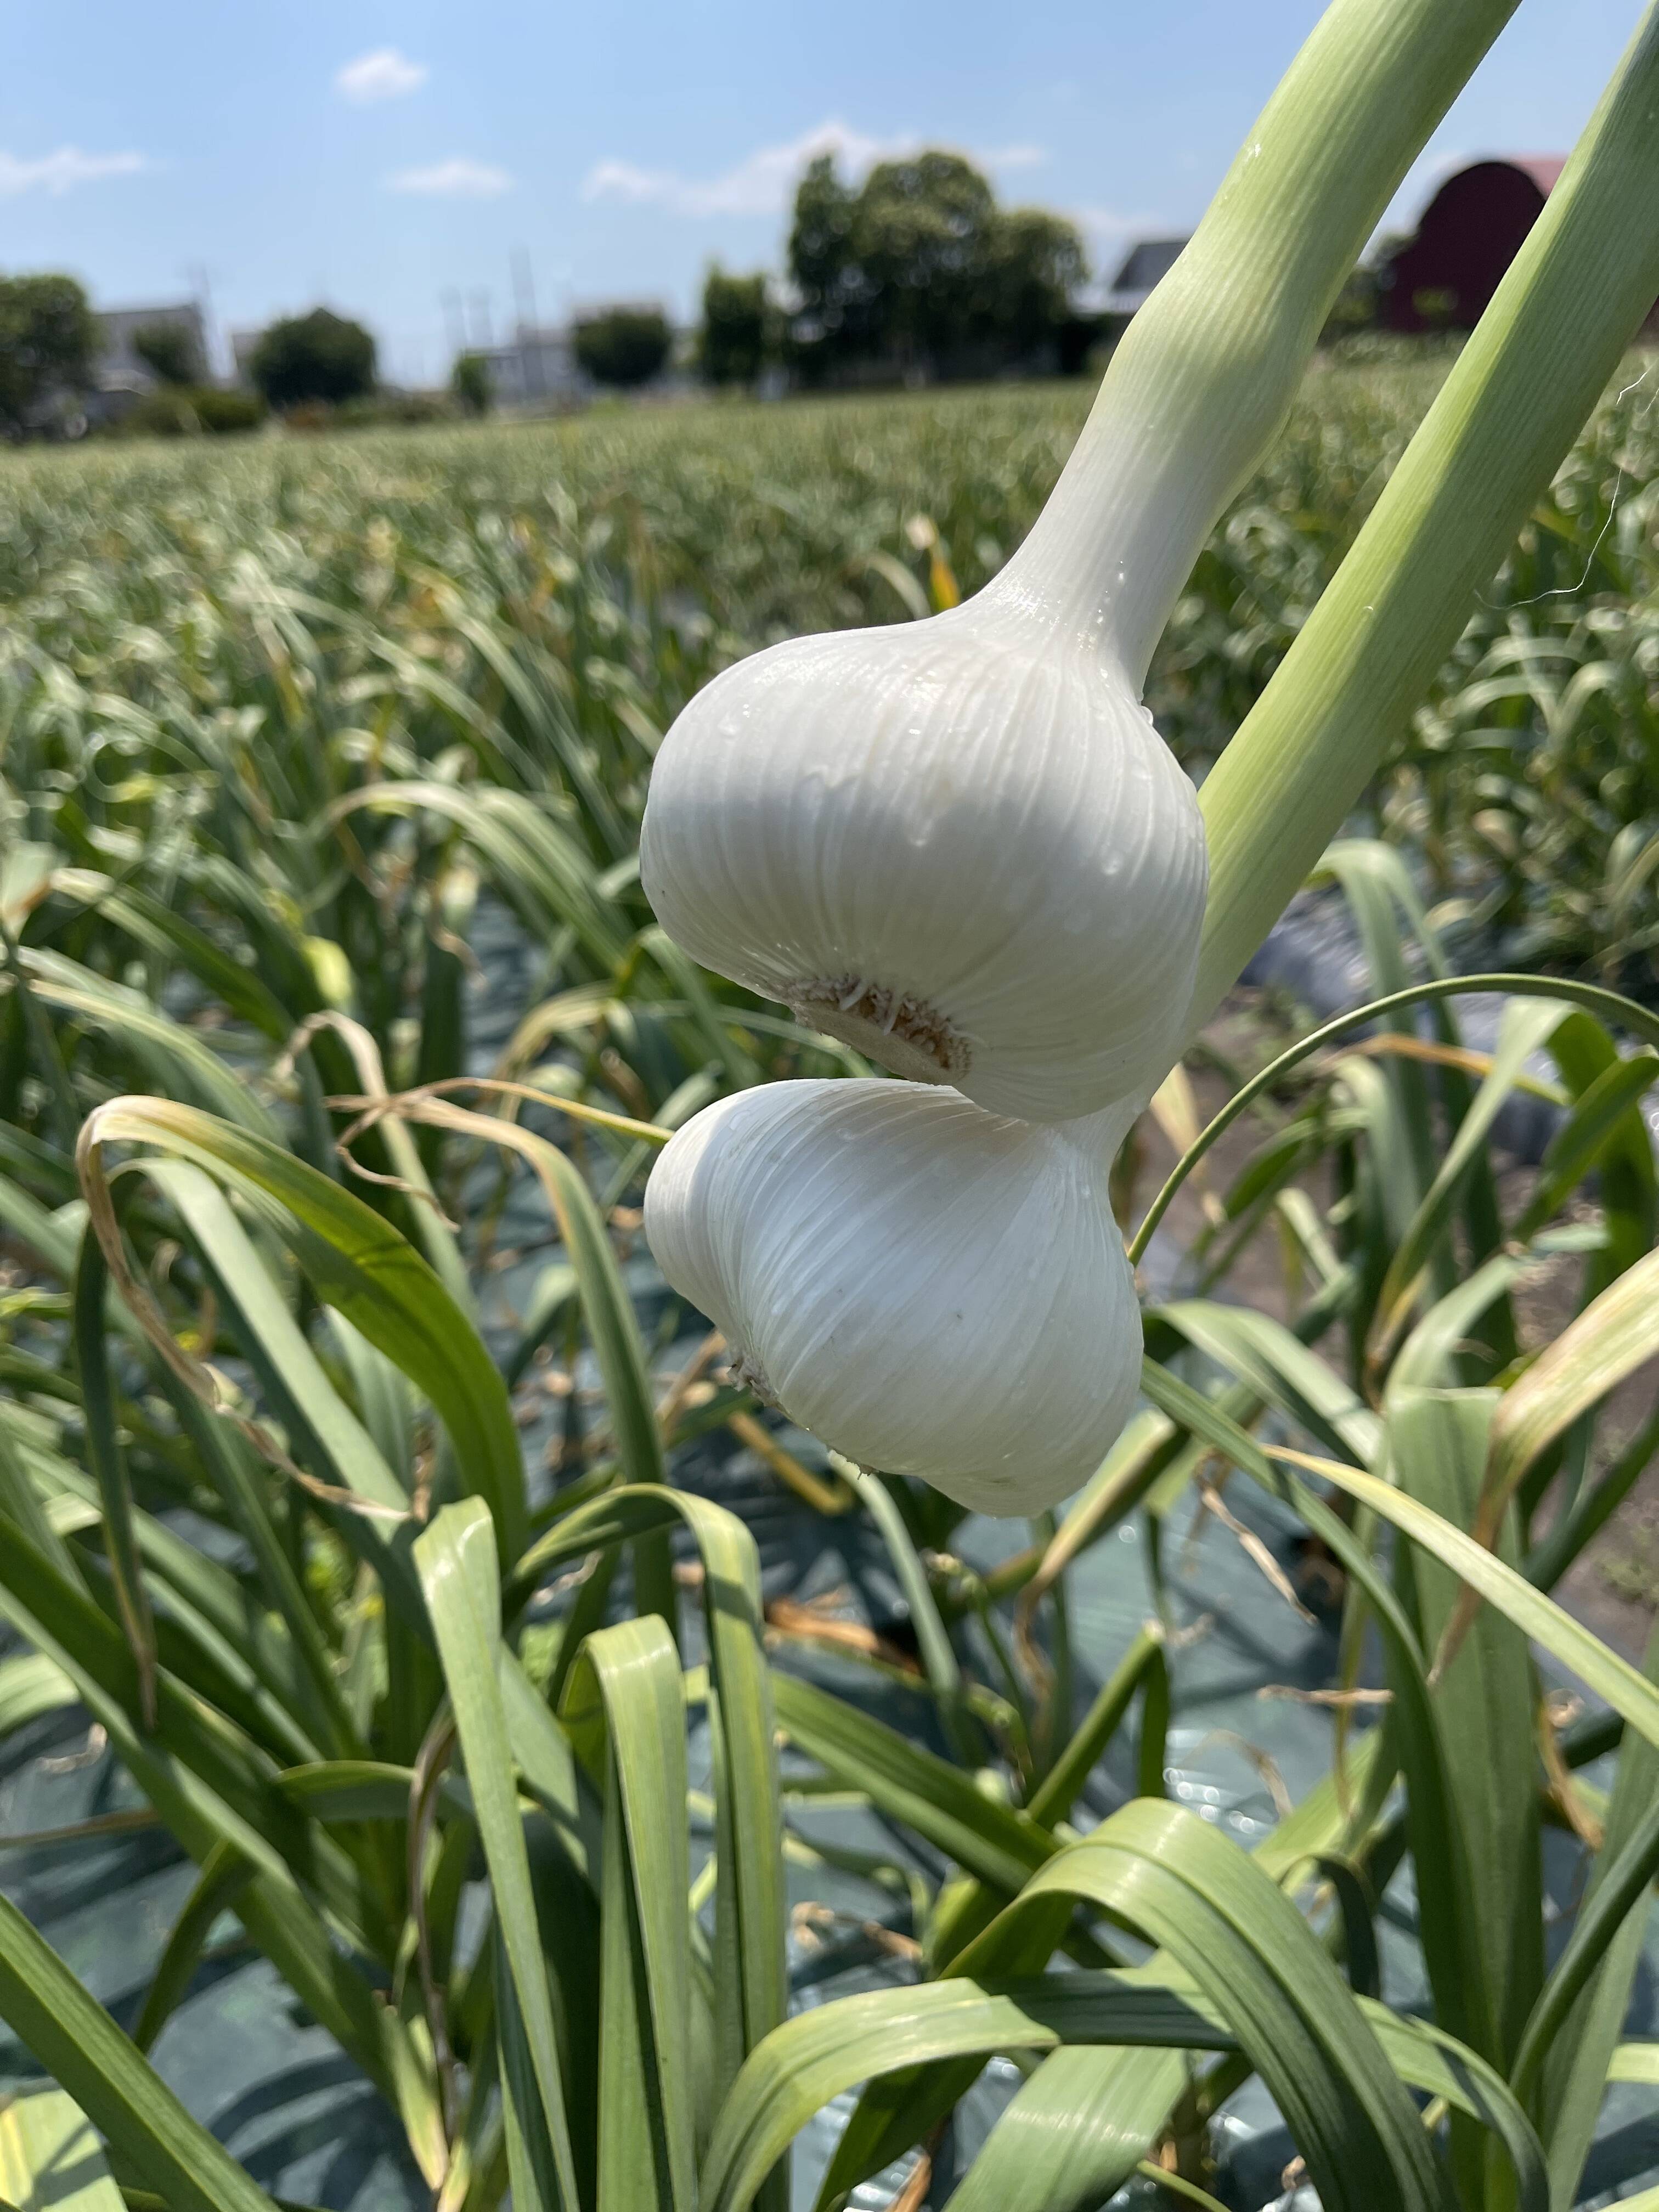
[[48, 341], [169, 351], [821, 267], [470, 384], [921, 234], [316, 357], [736, 338], [623, 346], [920, 270], [1033, 263]]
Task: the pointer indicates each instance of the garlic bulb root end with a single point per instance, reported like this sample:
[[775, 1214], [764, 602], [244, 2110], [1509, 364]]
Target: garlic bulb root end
[[959, 846], [896, 1029], [749, 1375]]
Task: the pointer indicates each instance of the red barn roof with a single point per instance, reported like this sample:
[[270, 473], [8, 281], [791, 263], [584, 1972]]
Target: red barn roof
[[1544, 169]]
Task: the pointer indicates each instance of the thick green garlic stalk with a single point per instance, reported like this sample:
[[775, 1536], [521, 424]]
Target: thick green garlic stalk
[[961, 846]]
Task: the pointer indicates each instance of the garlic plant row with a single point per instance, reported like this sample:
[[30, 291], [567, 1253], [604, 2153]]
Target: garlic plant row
[[962, 846]]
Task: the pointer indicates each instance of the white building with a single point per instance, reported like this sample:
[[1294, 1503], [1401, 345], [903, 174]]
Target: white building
[[537, 367]]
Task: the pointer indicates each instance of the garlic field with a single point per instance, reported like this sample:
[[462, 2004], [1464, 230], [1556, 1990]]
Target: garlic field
[[459, 1617], [590, 577]]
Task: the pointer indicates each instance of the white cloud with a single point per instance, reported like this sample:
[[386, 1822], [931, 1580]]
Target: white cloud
[[63, 171], [383, 74], [764, 181], [1112, 228], [1015, 157], [457, 179], [761, 185]]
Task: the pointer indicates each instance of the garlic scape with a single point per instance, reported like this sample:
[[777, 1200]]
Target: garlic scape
[[930, 1289], [958, 845]]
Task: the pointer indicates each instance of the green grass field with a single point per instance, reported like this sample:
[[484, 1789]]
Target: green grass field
[[628, 555]]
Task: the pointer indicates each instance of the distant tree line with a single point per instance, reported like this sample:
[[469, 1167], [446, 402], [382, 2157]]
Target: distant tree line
[[311, 363], [185, 404], [49, 345], [916, 273]]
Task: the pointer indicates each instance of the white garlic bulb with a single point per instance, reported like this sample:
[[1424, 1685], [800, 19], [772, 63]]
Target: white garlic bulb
[[930, 1289], [959, 844]]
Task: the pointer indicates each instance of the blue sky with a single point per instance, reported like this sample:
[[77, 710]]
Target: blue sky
[[378, 154]]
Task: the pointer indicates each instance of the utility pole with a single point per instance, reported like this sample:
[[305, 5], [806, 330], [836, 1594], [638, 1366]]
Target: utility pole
[[530, 343], [454, 322], [524, 288]]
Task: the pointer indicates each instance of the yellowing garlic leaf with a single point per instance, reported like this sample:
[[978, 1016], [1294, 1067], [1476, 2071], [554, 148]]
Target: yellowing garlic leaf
[[959, 844], [931, 1289]]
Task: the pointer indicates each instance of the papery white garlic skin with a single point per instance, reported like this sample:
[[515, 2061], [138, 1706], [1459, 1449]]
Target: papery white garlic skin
[[959, 844], [930, 1289]]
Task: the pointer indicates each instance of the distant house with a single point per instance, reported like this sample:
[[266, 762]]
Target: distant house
[[1142, 267], [1467, 237], [119, 376]]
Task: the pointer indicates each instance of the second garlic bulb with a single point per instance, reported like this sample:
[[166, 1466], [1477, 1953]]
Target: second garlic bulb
[[930, 1289], [959, 844]]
